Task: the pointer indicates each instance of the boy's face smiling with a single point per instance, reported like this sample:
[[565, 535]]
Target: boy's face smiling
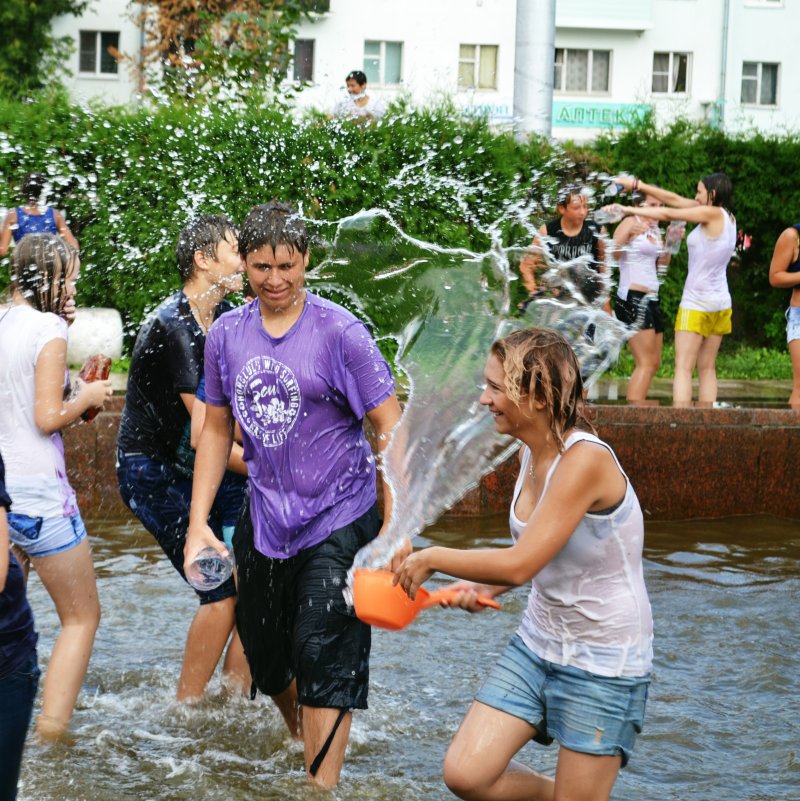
[[277, 277]]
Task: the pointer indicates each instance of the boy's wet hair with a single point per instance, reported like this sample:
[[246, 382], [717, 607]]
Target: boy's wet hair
[[204, 233], [566, 193], [39, 269], [540, 365], [358, 76], [273, 224], [33, 186]]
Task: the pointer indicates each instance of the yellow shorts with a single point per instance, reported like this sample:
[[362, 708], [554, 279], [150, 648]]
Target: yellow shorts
[[706, 324]]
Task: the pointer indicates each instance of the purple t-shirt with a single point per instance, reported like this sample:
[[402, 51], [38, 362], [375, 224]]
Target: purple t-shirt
[[300, 402]]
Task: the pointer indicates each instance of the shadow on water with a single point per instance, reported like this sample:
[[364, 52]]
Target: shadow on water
[[721, 719]]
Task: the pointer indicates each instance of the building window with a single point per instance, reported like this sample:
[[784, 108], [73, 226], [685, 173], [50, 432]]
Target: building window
[[671, 72], [759, 83], [477, 66], [383, 62], [582, 71], [94, 57], [304, 60]]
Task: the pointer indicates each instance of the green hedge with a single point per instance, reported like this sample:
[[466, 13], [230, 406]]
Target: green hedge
[[128, 181]]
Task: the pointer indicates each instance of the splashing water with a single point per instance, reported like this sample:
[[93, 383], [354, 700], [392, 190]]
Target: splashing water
[[441, 309]]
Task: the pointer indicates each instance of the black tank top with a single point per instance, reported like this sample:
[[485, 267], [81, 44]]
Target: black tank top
[[795, 268], [566, 248], [586, 242]]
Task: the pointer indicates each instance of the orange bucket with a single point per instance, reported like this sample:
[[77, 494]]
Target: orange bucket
[[378, 602]]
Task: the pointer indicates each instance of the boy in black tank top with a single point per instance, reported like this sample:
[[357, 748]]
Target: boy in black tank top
[[568, 238]]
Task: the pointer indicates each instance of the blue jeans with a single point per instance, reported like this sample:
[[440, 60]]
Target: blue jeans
[[160, 498], [17, 692]]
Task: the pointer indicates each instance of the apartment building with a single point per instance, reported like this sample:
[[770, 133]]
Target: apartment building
[[731, 62]]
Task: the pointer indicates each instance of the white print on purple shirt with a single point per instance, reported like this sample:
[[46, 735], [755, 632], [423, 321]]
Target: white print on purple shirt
[[267, 400]]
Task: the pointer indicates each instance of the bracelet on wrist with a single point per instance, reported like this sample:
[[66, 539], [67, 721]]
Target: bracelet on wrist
[[635, 187]]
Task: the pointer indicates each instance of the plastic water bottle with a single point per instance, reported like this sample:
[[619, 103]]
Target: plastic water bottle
[[673, 236], [613, 188], [608, 215], [209, 569]]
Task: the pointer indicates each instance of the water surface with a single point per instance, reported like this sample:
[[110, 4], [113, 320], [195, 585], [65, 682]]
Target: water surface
[[722, 716]]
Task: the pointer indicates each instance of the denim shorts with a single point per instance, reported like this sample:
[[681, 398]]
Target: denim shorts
[[792, 323], [584, 712], [294, 621], [45, 536], [160, 498]]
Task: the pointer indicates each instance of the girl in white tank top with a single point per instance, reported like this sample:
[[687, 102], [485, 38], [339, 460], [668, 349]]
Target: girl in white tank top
[[640, 253], [704, 316], [583, 653]]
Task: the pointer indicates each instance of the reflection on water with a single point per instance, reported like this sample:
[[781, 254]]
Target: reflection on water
[[722, 715]]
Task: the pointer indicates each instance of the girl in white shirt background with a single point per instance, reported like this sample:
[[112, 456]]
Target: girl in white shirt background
[[44, 522]]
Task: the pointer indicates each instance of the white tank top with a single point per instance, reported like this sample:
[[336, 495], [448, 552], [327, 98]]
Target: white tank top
[[637, 264], [588, 607], [706, 287]]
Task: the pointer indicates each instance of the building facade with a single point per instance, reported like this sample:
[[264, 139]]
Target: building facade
[[730, 62]]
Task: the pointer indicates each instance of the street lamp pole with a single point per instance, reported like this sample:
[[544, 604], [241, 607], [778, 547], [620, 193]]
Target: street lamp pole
[[533, 67]]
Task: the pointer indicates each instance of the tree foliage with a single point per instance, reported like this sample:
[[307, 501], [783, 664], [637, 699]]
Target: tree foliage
[[29, 52], [196, 48]]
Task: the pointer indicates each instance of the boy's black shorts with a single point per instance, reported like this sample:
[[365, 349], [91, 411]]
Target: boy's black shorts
[[294, 622]]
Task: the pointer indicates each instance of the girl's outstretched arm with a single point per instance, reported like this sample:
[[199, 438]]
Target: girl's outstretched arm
[[587, 478]]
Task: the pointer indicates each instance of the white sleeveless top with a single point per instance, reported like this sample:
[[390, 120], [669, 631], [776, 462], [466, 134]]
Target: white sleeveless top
[[637, 264], [588, 607], [36, 476], [706, 287]]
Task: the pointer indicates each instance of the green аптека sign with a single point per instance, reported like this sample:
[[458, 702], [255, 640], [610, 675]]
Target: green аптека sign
[[596, 115]]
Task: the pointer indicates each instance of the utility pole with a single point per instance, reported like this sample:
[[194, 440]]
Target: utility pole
[[533, 67]]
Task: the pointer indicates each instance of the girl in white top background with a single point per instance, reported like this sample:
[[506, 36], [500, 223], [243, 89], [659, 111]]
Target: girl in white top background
[[704, 314], [639, 250], [577, 670], [44, 521]]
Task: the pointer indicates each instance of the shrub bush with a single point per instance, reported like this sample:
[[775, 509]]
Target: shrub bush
[[129, 179]]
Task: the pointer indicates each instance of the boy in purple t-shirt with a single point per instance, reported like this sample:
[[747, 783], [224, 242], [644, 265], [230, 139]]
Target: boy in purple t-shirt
[[299, 374]]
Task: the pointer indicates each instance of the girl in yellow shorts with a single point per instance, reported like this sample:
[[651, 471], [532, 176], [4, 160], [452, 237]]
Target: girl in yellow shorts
[[704, 315]]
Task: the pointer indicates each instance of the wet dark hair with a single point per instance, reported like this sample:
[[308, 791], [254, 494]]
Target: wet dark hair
[[39, 269], [540, 365], [32, 186], [566, 193], [273, 224], [356, 75], [204, 233], [720, 189]]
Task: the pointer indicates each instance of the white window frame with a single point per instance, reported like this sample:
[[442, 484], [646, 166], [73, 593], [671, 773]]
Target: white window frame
[[98, 53], [757, 102], [382, 59], [590, 61], [672, 54], [476, 67]]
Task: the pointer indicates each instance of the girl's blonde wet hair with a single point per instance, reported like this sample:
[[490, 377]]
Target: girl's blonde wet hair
[[540, 365]]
